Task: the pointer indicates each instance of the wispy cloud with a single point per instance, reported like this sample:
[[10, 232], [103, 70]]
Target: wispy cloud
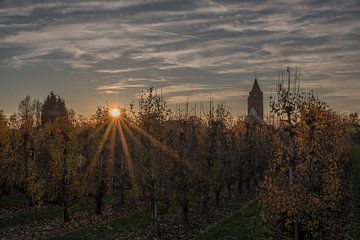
[[123, 70], [120, 86], [188, 48], [184, 88], [206, 96], [25, 9]]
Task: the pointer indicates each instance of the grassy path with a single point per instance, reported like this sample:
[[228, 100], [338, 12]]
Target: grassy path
[[107, 230], [356, 194], [245, 224]]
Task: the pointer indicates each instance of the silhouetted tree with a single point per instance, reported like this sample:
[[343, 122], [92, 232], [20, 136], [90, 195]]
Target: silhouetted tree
[[53, 108]]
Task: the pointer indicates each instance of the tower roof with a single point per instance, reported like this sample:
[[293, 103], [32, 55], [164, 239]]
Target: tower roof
[[256, 87]]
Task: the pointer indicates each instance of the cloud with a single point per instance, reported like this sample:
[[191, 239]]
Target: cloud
[[27, 9], [120, 86], [205, 96], [123, 70], [187, 47], [188, 87]]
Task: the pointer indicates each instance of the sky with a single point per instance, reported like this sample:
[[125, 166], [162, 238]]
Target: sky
[[105, 52]]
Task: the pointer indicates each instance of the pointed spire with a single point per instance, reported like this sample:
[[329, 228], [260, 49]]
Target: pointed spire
[[255, 101], [256, 87]]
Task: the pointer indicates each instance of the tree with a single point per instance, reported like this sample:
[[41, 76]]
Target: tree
[[26, 139], [6, 178], [53, 109], [354, 123], [66, 179], [152, 165], [221, 134], [185, 138], [304, 180], [216, 158], [58, 173], [102, 156]]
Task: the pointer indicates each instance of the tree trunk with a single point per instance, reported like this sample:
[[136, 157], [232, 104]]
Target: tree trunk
[[229, 191], [296, 231], [165, 207], [205, 202], [185, 211], [239, 186], [64, 189], [66, 213], [154, 205], [154, 216], [292, 145], [26, 169], [122, 196], [217, 197], [99, 199]]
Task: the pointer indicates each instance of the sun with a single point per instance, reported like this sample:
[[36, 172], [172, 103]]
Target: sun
[[115, 112]]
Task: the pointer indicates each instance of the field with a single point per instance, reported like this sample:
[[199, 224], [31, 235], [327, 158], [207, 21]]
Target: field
[[46, 223], [243, 224]]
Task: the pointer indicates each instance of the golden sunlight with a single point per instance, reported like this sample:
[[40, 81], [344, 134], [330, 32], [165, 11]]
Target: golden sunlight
[[115, 112]]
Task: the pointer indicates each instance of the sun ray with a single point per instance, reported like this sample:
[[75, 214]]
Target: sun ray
[[101, 145], [97, 130], [112, 156], [131, 135], [170, 151], [127, 155], [148, 136], [100, 127]]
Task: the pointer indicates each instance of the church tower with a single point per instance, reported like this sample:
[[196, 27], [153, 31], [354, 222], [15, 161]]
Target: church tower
[[255, 101]]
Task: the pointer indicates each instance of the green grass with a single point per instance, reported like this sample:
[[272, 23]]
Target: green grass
[[356, 194], [105, 230], [243, 225], [46, 212], [12, 220], [13, 201]]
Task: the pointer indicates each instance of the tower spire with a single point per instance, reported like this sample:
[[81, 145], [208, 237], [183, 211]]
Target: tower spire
[[255, 101]]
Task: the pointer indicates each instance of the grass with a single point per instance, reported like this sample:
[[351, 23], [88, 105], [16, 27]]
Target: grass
[[11, 220], [356, 194], [105, 230], [245, 224], [33, 215], [13, 201]]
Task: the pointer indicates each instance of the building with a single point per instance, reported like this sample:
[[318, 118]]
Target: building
[[256, 102]]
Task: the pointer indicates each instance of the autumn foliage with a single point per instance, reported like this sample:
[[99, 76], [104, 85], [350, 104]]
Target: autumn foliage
[[195, 162], [304, 192]]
